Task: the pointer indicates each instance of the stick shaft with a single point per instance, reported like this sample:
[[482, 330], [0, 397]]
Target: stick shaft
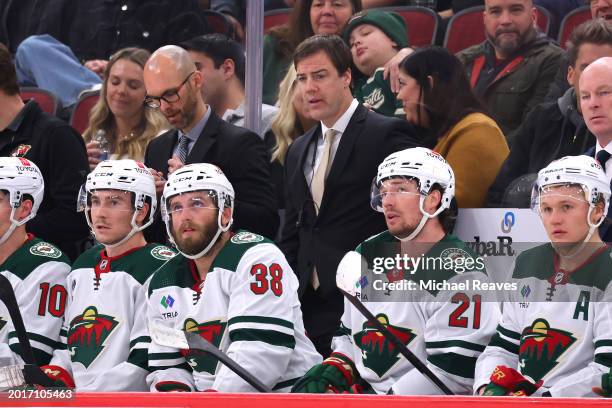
[[410, 356]]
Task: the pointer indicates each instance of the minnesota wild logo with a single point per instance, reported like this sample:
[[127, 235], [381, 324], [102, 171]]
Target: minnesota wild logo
[[211, 331], [377, 352], [541, 346], [87, 334]]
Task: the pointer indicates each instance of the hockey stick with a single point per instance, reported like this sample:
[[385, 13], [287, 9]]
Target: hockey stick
[[345, 280], [168, 337], [31, 371]]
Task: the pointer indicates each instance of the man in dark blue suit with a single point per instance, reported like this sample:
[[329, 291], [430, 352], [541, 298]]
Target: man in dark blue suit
[[328, 174], [596, 103]]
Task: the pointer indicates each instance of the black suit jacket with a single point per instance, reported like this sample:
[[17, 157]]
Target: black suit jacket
[[605, 229], [345, 218], [241, 155]]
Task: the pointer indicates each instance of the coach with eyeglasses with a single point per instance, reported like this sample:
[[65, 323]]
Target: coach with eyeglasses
[[200, 136]]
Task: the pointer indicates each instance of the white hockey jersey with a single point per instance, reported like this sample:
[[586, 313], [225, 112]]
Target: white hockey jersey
[[446, 329], [557, 327], [247, 306], [107, 338], [37, 271]]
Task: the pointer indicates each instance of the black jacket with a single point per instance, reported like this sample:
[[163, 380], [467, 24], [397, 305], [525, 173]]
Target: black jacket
[[59, 152], [242, 156], [552, 130]]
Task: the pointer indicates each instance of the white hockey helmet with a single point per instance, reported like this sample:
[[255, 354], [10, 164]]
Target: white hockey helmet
[[582, 170], [124, 175], [425, 166], [19, 177], [199, 177]]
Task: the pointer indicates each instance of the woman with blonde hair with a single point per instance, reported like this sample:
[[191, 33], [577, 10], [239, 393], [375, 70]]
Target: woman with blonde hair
[[120, 115], [291, 121]]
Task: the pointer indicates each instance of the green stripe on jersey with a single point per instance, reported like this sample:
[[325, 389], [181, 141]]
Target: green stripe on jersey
[[141, 339], [165, 356], [260, 319], [603, 343], [267, 336], [41, 339], [139, 358], [497, 341], [508, 333], [454, 363], [455, 343], [604, 359]]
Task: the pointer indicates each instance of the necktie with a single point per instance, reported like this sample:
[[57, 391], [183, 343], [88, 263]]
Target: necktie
[[318, 186], [182, 148], [320, 175], [602, 158]]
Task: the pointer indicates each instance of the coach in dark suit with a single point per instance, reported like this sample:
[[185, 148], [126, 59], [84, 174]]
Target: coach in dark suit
[[328, 174], [200, 136], [596, 105]]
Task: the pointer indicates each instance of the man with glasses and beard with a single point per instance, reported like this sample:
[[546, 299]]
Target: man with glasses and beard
[[174, 86], [235, 289], [513, 68]]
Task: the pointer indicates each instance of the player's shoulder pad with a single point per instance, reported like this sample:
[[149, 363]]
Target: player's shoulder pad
[[173, 272], [88, 258], [231, 254], [531, 262], [382, 237], [33, 254]]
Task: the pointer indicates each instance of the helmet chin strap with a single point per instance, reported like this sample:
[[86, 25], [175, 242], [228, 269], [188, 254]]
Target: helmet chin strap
[[14, 224], [419, 227], [587, 238]]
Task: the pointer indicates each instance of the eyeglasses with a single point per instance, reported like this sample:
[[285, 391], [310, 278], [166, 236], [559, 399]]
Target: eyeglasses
[[170, 96]]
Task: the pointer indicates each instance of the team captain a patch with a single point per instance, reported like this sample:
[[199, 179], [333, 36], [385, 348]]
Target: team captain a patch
[[245, 237], [44, 249]]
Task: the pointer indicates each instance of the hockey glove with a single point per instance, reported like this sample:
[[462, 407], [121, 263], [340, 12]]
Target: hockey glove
[[336, 373], [508, 381], [606, 385], [59, 376]]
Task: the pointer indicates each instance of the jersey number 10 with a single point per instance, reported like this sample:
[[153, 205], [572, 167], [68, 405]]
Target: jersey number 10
[[53, 299]]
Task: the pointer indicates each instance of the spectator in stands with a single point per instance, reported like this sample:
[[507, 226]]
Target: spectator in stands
[[292, 120], [235, 12], [58, 150], [553, 129], [599, 9], [596, 103], [558, 9], [119, 116], [200, 136], [308, 17], [93, 31], [374, 37], [458, 129], [221, 61], [511, 70]]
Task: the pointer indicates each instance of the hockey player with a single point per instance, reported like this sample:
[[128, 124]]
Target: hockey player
[[236, 290], [555, 335], [36, 269], [107, 339], [449, 329]]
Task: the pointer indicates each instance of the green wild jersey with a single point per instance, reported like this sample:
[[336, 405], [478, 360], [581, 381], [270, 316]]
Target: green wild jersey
[[375, 92], [107, 339], [37, 271], [558, 326], [247, 306], [446, 329]]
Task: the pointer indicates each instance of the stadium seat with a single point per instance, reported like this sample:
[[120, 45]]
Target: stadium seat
[[47, 101], [466, 28], [218, 23], [79, 119], [571, 21], [422, 24], [275, 18]]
